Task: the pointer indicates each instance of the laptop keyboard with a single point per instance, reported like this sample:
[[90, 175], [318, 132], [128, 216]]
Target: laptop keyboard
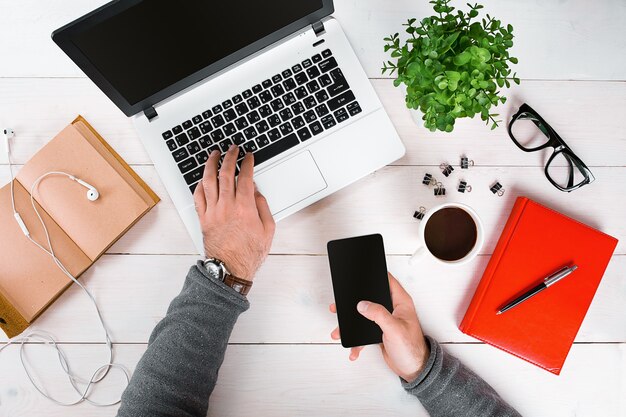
[[268, 118]]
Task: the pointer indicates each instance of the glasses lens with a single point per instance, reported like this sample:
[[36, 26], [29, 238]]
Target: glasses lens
[[564, 172], [529, 132]]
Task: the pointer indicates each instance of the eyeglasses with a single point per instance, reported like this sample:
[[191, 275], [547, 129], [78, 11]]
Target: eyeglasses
[[531, 133]]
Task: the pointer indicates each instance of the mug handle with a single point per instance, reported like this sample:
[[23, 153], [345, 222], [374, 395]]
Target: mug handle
[[418, 255]]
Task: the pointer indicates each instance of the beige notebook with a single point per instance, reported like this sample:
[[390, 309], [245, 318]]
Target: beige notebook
[[81, 230]]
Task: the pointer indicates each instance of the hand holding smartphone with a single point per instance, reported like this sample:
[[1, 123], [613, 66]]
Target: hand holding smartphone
[[359, 272]]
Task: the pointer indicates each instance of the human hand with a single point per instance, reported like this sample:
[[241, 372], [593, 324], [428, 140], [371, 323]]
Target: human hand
[[404, 347], [237, 225]]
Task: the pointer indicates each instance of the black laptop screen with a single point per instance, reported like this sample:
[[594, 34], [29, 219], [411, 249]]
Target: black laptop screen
[[156, 43]]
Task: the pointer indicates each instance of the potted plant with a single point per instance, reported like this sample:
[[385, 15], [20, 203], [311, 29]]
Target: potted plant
[[452, 65]]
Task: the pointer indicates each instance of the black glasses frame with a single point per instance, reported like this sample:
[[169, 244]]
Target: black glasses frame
[[554, 141]]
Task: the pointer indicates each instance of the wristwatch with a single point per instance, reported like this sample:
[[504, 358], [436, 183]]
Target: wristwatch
[[217, 270]]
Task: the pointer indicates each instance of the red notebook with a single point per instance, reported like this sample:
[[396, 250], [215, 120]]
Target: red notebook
[[536, 242]]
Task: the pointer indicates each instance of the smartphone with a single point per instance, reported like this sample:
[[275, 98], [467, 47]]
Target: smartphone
[[359, 272]]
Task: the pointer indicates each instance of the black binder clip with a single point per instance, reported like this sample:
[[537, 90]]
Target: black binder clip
[[420, 213], [439, 190], [428, 179], [466, 163], [446, 169], [463, 187], [497, 189]]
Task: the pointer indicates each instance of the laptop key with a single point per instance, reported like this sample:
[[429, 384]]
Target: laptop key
[[196, 119], [328, 64], [253, 102], [328, 121], [304, 134], [262, 141], [301, 78], [321, 96], [192, 187], [254, 117], [301, 93], [229, 129], [177, 130], [262, 126], [297, 122], [241, 123], [340, 101], [217, 109], [256, 90], [316, 58], [341, 115], [313, 86], [241, 109], [286, 128], [206, 127], [237, 99], [277, 90], [296, 68], [187, 165], [225, 144], [297, 108], [238, 138], [306, 63], [182, 139], [193, 148], [274, 135], [289, 84], [265, 110], [316, 128], [202, 157], [274, 120], [171, 145], [267, 83], [195, 175], [285, 114], [250, 132], [275, 148], [230, 115], [205, 141], [289, 99], [250, 146], [194, 133], [265, 97], [338, 88], [218, 120], [207, 114], [325, 80], [180, 154], [310, 116], [286, 73], [326, 53], [322, 110], [277, 105], [167, 135], [277, 78], [309, 102], [313, 72], [241, 154], [217, 135], [187, 124], [354, 108]]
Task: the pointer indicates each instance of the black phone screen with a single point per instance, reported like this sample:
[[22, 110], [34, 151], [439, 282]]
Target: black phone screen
[[359, 272]]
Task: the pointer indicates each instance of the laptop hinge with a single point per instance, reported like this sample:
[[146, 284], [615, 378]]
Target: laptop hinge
[[318, 28], [150, 113]]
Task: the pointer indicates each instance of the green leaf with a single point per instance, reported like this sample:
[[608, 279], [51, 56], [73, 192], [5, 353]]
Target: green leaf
[[453, 75], [462, 58], [473, 13], [513, 60]]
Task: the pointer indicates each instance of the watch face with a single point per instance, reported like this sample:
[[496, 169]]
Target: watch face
[[214, 270]]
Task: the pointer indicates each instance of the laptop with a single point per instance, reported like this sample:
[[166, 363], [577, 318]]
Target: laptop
[[276, 77]]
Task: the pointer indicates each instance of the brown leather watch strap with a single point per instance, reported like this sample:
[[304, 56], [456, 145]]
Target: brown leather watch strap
[[242, 286]]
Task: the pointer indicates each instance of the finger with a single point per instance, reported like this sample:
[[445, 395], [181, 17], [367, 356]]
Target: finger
[[209, 179], [333, 308], [264, 211], [377, 313], [245, 184], [227, 174], [355, 352], [199, 199], [399, 296], [335, 335]]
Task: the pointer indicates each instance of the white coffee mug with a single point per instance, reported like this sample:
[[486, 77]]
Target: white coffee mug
[[422, 250]]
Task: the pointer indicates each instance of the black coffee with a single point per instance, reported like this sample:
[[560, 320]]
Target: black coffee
[[450, 234]]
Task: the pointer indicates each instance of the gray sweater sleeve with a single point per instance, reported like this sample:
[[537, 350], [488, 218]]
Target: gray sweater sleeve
[[447, 388], [177, 374]]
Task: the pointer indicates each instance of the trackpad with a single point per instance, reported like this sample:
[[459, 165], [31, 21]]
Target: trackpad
[[290, 182]]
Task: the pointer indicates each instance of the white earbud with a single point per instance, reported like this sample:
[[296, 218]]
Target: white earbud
[[92, 192], [8, 134]]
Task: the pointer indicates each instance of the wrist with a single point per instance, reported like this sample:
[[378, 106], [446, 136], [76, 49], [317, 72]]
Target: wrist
[[218, 270], [422, 355]]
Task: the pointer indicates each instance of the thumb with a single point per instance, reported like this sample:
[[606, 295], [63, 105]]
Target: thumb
[[377, 313]]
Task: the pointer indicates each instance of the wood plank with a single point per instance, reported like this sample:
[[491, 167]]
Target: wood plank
[[289, 302], [314, 380], [554, 40], [37, 109], [384, 201]]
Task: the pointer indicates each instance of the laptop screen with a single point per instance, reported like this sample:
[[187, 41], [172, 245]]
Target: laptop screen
[[154, 44]]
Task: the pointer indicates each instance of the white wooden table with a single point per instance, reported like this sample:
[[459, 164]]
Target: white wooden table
[[573, 71]]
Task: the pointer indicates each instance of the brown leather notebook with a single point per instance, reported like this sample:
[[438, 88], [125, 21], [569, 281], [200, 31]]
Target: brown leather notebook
[[80, 230]]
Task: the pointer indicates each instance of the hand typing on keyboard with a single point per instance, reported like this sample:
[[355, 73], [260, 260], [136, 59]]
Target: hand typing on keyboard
[[236, 221]]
